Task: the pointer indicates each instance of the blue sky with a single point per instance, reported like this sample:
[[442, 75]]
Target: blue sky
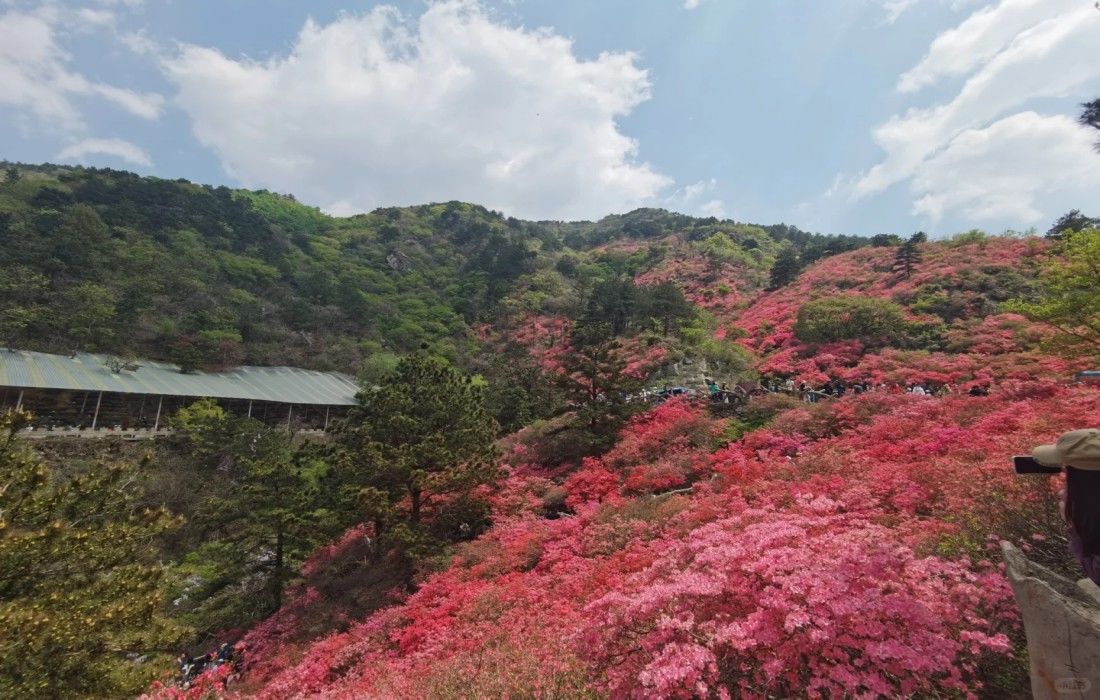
[[846, 116]]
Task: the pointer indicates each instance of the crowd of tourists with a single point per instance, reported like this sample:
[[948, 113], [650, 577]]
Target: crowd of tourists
[[191, 667], [811, 393], [723, 393]]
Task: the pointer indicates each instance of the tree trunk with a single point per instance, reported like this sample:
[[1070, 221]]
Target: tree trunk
[[1062, 622], [414, 500], [277, 574]]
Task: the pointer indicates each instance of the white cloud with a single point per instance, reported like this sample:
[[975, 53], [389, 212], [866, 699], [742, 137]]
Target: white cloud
[[691, 4], [377, 109], [694, 190], [1054, 55], [118, 148], [91, 17], [998, 173], [979, 38], [896, 8], [697, 198], [714, 207], [38, 79], [139, 42]]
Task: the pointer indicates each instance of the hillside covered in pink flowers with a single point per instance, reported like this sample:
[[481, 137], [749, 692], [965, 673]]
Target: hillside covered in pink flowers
[[839, 548]]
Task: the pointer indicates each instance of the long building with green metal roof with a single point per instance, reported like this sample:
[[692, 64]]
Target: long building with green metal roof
[[89, 392]]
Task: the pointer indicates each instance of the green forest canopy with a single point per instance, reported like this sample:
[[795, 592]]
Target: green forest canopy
[[104, 260]]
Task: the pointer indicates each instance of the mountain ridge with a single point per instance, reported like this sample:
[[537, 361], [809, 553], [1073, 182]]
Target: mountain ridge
[[105, 260]]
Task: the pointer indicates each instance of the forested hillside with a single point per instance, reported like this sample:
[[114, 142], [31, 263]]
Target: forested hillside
[[844, 546], [103, 260], [649, 456], [834, 539]]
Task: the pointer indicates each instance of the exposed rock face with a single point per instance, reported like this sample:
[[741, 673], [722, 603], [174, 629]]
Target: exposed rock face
[[1062, 621], [692, 373], [398, 261]]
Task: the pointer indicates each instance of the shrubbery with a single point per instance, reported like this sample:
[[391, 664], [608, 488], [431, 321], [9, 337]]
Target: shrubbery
[[870, 321], [839, 552], [837, 549]]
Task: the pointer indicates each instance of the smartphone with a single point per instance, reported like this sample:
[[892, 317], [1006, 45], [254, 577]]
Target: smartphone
[[1024, 464]]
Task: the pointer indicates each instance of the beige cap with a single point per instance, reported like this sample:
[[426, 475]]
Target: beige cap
[[1077, 448]]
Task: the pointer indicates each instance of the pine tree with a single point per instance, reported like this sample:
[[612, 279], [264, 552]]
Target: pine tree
[[262, 513], [595, 383], [422, 435], [909, 255], [665, 304], [1090, 116], [518, 391], [79, 579], [614, 302], [1072, 220], [784, 269]]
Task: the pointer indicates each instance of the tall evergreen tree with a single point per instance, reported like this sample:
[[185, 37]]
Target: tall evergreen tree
[[596, 384], [79, 579], [784, 269], [1090, 116], [261, 514], [614, 302], [422, 435], [666, 304], [909, 255], [1072, 220], [518, 391]]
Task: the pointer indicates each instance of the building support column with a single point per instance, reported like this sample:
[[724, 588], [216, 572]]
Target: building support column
[[156, 423], [326, 417], [83, 404], [289, 415], [95, 417], [250, 408], [19, 401]]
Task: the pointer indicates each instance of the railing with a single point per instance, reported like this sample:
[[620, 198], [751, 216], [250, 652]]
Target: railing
[[88, 434], [131, 434]]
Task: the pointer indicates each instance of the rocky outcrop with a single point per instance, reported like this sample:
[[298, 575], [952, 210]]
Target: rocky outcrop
[[1062, 621], [693, 373]]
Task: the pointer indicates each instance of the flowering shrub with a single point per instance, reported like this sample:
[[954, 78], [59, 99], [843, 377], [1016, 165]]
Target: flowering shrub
[[981, 345], [835, 549], [661, 449], [209, 684], [593, 482], [716, 286], [806, 600], [324, 556], [546, 339], [806, 567], [995, 335]]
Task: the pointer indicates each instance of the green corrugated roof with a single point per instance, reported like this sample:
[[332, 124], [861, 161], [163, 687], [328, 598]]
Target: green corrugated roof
[[85, 372]]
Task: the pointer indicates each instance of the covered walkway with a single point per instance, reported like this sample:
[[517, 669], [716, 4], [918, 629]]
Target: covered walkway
[[88, 395]]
